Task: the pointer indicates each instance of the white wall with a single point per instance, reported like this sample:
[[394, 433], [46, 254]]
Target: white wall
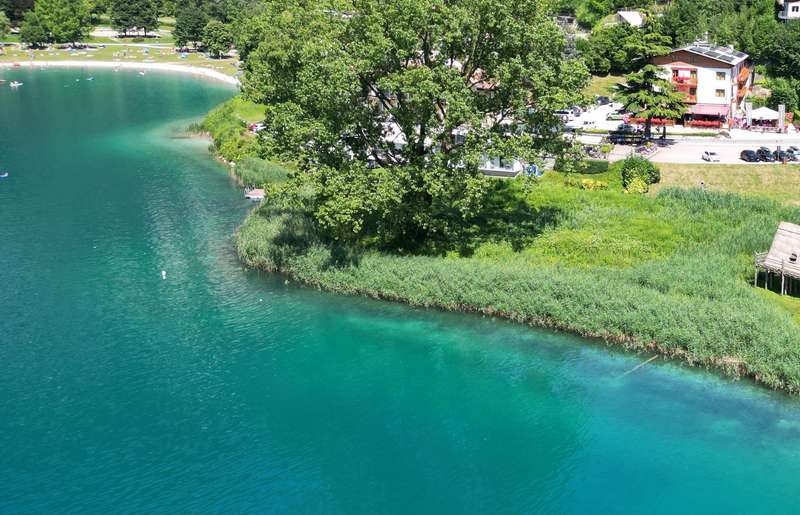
[[707, 84], [789, 12]]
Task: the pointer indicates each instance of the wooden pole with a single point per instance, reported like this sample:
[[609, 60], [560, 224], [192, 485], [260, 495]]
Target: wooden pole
[[783, 278]]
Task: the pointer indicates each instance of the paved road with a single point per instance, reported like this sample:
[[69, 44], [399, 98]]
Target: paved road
[[691, 151]]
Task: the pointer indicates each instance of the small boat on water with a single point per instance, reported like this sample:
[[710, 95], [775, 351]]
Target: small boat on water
[[15, 84], [3, 175]]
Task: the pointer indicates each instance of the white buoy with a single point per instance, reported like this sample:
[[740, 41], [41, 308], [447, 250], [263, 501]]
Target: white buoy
[[163, 274]]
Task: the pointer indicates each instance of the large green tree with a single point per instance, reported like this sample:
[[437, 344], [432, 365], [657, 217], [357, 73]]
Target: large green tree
[[391, 105], [5, 26], [190, 21], [32, 30], [784, 52], [63, 21], [217, 38], [127, 15], [647, 93]]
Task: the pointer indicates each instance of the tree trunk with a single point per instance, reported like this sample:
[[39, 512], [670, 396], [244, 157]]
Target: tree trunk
[[648, 127]]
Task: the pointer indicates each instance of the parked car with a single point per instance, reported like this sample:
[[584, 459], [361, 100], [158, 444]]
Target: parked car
[[765, 155], [749, 155], [603, 100], [711, 157], [626, 128], [565, 114], [781, 156], [576, 110], [794, 149]]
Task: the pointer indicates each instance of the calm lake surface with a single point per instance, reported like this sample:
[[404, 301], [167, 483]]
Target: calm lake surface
[[222, 390]]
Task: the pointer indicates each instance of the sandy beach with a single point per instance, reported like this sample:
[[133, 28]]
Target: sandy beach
[[164, 67]]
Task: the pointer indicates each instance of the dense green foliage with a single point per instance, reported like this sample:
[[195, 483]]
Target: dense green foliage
[[32, 30], [669, 273], [605, 51], [5, 25], [637, 167], [217, 38], [232, 142], [228, 133], [127, 15], [56, 21], [372, 105], [190, 20], [15, 9]]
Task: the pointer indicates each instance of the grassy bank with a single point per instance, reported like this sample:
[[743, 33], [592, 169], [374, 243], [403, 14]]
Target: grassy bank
[[779, 182], [669, 272], [234, 143]]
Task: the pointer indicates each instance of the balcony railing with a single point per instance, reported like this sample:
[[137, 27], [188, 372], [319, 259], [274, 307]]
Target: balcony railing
[[684, 80]]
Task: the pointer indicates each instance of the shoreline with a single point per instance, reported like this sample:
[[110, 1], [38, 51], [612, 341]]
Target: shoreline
[[196, 71]]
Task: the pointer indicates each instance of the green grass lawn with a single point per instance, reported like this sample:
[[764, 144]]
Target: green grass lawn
[[777, 182], [603, 85]]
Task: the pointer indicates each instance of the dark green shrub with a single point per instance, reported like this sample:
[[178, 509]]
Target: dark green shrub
[[637, 167]]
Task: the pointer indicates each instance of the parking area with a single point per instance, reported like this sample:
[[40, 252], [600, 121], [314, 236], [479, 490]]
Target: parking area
[[691, 151]]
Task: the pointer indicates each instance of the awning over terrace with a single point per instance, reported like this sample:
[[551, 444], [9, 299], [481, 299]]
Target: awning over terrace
[[709, 110], [764, 113]]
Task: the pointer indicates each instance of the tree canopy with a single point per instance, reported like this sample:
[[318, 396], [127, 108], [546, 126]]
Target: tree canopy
[[56, 21], [127, 15], [15, 9], [5, 25], [190, 21], [217, 38], [390, 106]]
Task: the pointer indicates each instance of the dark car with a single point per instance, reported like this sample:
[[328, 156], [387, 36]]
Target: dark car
[[765, 155], [749, 155], [601, 100], [781, 156]]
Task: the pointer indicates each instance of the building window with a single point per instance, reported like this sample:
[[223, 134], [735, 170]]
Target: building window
[[795, 8], [720, 75], [720, 93]]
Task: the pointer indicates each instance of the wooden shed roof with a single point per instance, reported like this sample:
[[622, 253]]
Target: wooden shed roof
[[784, 254]]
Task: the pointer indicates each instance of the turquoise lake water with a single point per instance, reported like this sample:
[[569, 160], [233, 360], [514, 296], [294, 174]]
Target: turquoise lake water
[[222, 390]]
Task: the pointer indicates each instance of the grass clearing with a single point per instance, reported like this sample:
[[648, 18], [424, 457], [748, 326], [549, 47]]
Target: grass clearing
[[778, 182], [603, 85]]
